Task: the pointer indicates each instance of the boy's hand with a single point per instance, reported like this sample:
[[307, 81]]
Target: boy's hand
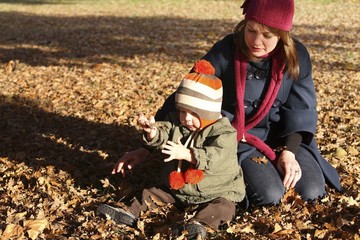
[[130, 160], [176, 151], [148, 126]]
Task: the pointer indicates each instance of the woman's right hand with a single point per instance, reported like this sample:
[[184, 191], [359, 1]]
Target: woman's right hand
[[129, 160], [289, 168]]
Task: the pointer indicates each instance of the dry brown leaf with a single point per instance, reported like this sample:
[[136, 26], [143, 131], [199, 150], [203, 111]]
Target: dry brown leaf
[[301, 225], [330, 227], [10, 67], [106, 183], [291, 196], [15, 218], [350, 201], [353, 151], [260, 160], [340, 153], [277, 228], [34, 227], [247, 229], [13, 231], [319, 233]]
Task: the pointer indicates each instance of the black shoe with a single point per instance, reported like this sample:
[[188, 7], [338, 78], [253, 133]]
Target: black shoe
[[120, 216], [192, 230]]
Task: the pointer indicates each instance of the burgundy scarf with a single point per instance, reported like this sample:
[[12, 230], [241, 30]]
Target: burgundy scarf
[[239, 123]]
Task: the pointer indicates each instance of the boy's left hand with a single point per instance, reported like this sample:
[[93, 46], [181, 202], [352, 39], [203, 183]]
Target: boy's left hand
[[176, 151]]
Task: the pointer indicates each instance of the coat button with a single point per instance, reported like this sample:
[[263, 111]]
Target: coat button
[[249, 75], [259, 74]]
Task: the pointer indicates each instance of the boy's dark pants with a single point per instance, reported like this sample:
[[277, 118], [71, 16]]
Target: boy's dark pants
[[211, 213]]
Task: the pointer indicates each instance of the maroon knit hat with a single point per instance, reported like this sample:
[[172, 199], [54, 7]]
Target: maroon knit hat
[[273, 13]]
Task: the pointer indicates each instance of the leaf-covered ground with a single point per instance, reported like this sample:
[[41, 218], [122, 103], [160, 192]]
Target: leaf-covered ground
[[73, 76]]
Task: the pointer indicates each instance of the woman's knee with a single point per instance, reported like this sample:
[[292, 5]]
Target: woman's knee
[[312, 183], [312, 192], [269, 196]]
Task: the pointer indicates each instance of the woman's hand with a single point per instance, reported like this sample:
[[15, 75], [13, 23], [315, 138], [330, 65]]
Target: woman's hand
[[129, 160], [289, 168], [176, 151], [148, 125]]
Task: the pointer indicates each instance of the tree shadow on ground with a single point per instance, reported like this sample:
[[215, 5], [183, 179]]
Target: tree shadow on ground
[[52, 40], [40, 40], [86, 150]]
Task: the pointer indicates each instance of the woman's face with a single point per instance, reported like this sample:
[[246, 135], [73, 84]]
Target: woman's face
[[189, 119], [259, 39]]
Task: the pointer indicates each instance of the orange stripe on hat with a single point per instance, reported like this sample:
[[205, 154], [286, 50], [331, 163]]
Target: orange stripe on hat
[[207, 80]]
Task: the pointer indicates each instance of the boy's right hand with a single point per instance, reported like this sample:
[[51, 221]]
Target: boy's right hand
[[148, 125]]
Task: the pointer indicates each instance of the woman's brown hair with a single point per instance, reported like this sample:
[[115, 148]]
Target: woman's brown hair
[[286, 41]]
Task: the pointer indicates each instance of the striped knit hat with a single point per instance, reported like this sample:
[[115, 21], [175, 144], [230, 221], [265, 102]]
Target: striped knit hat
[[201, 92]]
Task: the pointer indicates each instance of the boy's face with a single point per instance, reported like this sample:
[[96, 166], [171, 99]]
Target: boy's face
[[189, 119]]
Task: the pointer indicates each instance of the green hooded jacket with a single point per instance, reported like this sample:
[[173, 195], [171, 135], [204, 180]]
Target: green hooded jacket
[[215, 150]]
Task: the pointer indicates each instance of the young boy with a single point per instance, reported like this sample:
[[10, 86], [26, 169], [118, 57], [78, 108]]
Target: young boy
[[202, 166]]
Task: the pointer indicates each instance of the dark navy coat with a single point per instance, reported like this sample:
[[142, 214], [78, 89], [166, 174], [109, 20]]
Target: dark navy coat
[[294, 109]]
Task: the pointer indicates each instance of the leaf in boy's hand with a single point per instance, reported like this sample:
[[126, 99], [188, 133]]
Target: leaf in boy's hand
[[106, 183], [260, 160]]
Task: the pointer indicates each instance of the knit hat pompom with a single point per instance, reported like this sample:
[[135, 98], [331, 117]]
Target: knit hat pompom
[[201, 92], [204, 67], [176, 180], [193, 175], [277, 14]]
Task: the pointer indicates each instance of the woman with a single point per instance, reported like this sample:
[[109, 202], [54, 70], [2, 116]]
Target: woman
[[270, 98]]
